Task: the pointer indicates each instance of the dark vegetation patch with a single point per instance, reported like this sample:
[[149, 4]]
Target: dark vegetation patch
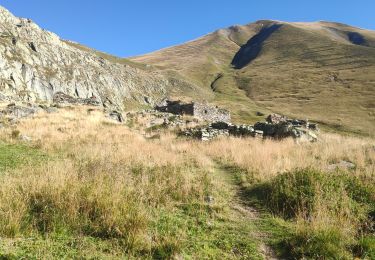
[[356, 38], [253, 47]]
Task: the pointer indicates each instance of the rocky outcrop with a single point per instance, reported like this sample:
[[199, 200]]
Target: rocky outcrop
[[12, 113], [115, 115], [36, 64], [61, 98]]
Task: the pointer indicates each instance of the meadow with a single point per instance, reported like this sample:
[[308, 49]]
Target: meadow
[[86, 187]]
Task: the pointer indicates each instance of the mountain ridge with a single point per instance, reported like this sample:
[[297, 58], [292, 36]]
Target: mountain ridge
[[298, 69], [322, 70]]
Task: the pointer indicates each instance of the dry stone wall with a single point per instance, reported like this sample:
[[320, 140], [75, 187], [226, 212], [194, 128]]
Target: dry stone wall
[[201, 111]]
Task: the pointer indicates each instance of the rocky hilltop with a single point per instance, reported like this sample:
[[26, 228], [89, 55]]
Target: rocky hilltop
[[35, 64]]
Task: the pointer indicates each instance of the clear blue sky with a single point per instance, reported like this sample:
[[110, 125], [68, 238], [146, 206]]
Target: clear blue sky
[[132, 27]]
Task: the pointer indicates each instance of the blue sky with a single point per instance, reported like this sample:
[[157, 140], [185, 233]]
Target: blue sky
[[131, 27]]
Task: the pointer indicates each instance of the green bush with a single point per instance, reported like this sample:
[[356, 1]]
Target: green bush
[[332, 211], [303, 191]]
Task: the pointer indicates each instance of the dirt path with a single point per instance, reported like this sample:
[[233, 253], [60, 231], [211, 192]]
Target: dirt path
[[244, 210]]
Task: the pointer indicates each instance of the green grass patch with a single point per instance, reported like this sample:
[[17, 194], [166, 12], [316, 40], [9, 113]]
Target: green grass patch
[[203, 235], [60, 247], [14, 155]]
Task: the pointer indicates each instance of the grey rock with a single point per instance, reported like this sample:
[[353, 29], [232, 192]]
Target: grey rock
[[344, 165], [51, 110], [25, 138], [36, 64], [14, 111], [209, 199], [117, 116]]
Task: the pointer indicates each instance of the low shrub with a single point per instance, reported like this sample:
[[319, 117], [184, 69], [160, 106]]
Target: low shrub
[[331, 210], [303, 191]]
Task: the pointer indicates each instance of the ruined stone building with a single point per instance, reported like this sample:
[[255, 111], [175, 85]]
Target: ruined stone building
[[198, 110]]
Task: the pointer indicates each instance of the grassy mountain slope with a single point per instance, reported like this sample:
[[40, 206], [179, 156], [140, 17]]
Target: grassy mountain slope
[[323, 71]]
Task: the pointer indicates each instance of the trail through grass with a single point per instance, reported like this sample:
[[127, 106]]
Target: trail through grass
[[246, 214]]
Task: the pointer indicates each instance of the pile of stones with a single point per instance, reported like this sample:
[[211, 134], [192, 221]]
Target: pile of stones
[[205, 133], [276, 126]]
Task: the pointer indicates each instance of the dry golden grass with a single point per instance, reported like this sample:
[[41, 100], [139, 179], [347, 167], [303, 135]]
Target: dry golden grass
[[105, 180], [90, 134], [267, 158]]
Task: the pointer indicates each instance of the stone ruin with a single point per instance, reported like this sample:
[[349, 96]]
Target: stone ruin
[[217, 129], [200, 111], [276, 126]]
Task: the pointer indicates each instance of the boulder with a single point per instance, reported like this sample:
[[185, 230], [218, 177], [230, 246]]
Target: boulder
[[343, 165], [117, 116], [14, 111], [62, 98]]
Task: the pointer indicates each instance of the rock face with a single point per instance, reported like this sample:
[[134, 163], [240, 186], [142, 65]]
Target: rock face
[[36, 64], [62, 98]]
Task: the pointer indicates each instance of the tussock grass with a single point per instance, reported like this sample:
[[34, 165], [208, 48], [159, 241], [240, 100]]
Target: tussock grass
[[332, 210]]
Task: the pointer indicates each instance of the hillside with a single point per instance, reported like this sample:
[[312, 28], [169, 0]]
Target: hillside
[[97, 163], [35, 64], [322, 70]]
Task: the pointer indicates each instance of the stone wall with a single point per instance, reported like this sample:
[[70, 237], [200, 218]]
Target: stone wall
[[277, 127], [177, 108], [211, 113], [201, 111]]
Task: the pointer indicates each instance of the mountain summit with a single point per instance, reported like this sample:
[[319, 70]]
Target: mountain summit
[[322, 70]]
